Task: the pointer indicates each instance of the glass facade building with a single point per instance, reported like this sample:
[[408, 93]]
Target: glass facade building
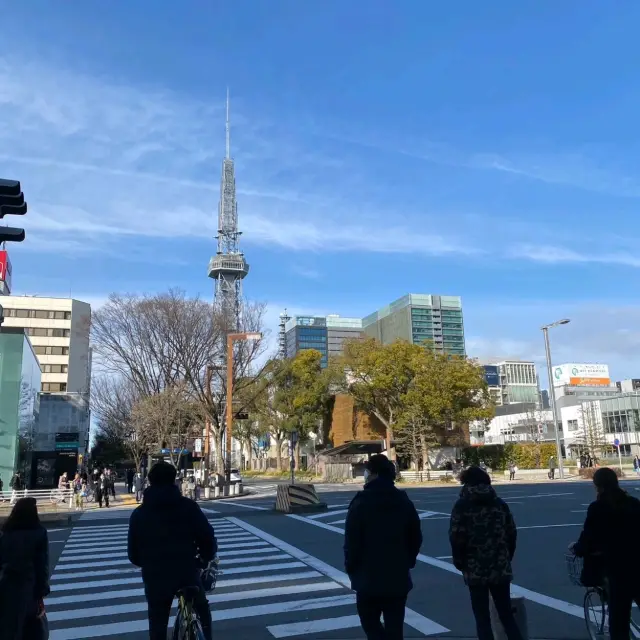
[[418, 318], [20, 380]]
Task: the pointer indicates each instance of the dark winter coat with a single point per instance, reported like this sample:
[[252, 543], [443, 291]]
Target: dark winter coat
[[24, 578], [166, 535], [611, 530], [382, 540], [483, 534]]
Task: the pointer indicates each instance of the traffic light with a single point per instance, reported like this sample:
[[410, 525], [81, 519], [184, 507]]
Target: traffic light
[[11, 203]]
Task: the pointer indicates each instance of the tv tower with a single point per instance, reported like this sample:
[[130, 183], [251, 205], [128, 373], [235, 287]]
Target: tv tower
[[228, 267]]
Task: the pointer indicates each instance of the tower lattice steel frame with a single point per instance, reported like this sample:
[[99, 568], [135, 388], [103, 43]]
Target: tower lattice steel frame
[[228, 267]]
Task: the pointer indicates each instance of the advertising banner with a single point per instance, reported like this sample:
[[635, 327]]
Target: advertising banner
[[492, 375], [5, 272], [582, 375]]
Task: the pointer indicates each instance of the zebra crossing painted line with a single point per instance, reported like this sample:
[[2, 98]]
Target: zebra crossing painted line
[[97, 593]]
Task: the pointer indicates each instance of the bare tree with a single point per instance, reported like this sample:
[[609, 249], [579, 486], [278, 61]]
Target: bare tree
[[158, 342], [590, 436], [113, 400]]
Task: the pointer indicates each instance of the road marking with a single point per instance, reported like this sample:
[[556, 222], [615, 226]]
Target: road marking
[[314, 626], [137, 607], [243, 552], [117, 629], [428, 514], [248, 506], [139, 593], [444, 557], [86, 574], [513, 502], [326, 514], [412, 618], [533, 596], [579, 511]]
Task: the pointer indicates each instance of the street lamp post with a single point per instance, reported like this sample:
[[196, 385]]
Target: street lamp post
[[231, 338], [552, 395]]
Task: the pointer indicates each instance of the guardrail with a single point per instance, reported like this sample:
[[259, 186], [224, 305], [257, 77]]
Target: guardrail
[[424, 476], [46, 498]]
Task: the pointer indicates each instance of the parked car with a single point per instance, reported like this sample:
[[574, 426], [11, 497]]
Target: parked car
[[235, 476]]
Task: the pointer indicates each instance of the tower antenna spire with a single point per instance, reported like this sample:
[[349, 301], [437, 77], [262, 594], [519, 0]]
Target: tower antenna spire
[[228, 133]]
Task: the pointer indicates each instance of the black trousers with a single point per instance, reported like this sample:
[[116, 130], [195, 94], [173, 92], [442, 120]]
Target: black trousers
[[501, 594], [622, 594], [159, 610], [370, 608]]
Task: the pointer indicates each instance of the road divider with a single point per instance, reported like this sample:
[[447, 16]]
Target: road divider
[[292, 498]]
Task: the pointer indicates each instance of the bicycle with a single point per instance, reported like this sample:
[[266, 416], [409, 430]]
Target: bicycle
[[187, 625], [595, 605], [58, 496]]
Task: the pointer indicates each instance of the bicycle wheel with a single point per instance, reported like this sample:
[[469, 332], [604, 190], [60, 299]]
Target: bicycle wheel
[[54, 497], [595, 614]]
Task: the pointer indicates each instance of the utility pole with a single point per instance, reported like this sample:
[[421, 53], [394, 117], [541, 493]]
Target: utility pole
[[207, 426], [552, 395]]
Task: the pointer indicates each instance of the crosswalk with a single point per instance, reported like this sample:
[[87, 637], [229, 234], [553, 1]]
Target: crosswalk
[[337, 515], [268, 585]]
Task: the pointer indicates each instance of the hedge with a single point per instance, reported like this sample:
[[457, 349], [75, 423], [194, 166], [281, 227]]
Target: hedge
[[498, 456], [589, 471]]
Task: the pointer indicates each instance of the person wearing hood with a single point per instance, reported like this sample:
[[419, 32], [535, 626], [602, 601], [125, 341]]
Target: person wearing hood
[[381, 544], [24, 571], [609, 537], [170, 539], [483, 534]]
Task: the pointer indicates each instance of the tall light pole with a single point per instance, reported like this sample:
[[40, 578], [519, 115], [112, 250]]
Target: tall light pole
[[552, 395], [231, 338]]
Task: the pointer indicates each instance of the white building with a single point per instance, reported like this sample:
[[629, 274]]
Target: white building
[[526, 426], [512, 381], [59, 332]]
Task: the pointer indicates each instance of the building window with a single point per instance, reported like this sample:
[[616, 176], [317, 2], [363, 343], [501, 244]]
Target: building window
[[54, 387], [572, 425], [48, 333], [51, 351], [55, 368]]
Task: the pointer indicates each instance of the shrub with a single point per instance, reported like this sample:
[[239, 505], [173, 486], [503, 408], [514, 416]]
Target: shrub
[[589, 471], [447, 479], [498, 456]]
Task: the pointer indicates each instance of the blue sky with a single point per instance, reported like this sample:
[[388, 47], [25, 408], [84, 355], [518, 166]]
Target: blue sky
[[488, 150]]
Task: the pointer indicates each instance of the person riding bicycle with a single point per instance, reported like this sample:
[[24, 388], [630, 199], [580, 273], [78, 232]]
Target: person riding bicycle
[[610, 533], [170, 539]]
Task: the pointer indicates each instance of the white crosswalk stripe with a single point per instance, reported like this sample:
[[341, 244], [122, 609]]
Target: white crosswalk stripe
[[97, 593]]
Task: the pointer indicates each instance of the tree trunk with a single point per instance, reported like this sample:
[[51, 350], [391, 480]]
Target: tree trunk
[[297, 455], [426, 464], [278, 453], [249, 454]]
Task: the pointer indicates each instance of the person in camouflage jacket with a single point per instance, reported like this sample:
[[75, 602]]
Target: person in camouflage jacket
[[483, 535]]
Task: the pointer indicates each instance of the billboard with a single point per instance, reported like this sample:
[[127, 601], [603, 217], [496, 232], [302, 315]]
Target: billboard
[[5, 273], [581, 375], [491, 375]]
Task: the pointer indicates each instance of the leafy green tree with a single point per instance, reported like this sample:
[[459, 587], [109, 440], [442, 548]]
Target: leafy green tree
[[293, 395]]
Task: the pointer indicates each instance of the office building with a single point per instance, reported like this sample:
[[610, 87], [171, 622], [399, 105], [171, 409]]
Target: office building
[[61, 439], [418, 318], [20, 381], [628, 386], [513, 381], [59, 332], [325, 334]]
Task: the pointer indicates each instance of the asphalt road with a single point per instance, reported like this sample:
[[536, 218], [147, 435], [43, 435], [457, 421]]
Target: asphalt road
[[283, 575]]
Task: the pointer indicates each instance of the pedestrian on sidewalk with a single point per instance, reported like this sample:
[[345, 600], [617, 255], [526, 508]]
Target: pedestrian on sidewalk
[[138, 482], [77, 492], [552, 468], [130, 477], [636, 465], [16, 485], [512, 471], [483, 533], [382, 541]]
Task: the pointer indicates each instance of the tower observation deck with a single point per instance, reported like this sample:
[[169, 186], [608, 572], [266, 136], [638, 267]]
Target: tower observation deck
[[228, 267]]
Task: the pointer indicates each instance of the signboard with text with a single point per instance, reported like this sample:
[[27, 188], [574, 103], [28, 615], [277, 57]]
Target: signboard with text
[[5, 273], [581, 375]]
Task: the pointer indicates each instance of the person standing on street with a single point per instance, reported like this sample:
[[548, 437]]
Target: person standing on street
[[483, 534], [167, 525], [636, 465], [138, 483], [130, 476], [610, 534], [16, 485], [24, 571], [552, 468], [512, 471], [382, 542]]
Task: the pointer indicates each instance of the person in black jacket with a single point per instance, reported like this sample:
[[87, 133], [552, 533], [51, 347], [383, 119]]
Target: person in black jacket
[[382, 542], [170, 539], [610, 533], [24, 570], [483, 534]]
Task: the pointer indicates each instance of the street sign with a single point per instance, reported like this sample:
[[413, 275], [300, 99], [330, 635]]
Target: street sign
[[198, 445], [616, 442]]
